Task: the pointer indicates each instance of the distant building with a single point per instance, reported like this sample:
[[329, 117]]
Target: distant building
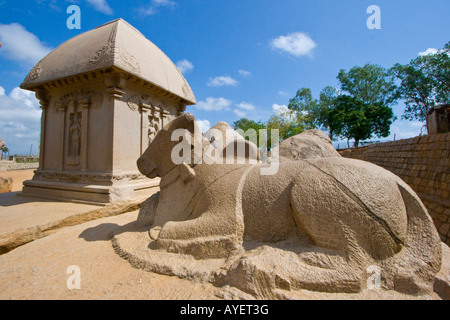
[[438, 119]]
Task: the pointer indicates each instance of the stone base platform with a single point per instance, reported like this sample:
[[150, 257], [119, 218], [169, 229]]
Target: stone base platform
[[78, 189]]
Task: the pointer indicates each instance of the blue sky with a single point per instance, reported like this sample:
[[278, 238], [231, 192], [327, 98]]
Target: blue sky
[[241, 57]]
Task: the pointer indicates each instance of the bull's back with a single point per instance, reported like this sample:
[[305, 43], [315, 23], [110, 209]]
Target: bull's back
[[322, 197], [266, 203]]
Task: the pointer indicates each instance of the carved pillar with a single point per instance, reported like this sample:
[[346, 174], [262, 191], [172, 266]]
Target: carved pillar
[[84, 105], [44, 101], [144, 110], [60, 109], [71, 122], [165, 117]]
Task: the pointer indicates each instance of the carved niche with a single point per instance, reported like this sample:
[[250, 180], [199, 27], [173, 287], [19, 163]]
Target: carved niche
[[74, 110], [154, 116]]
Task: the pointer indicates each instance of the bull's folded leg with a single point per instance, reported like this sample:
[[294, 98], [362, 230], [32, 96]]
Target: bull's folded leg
[[342, 278], [201, 238]]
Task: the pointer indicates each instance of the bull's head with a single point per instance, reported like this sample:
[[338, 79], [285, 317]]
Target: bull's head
[[157, 159]]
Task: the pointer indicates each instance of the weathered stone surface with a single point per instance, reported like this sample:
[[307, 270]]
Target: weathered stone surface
[[6, 184], [23, 221], [320, 224], [442, 282], [307, 145], [423, 163]]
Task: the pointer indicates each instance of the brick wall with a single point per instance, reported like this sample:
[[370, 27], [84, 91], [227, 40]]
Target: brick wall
[[423, 163]]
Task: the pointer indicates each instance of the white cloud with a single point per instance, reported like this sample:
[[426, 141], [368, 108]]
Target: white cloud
[[214, 104], [146, 11], [428, 52], [283, 93], [242, 109], [246, 106], [164, 3], [297, 44], [152, 8], [184, 66], [21, 45], [283, 111], [20, 120], [222, 81], [405, 129], [277, 108], [101, 6], [51, 4], [244, 73], [240, 113], [204, 125]]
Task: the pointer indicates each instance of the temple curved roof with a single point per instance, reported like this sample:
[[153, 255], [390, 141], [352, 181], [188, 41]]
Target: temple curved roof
[[114, 44]]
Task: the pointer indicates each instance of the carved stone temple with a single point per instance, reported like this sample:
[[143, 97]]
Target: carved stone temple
[[104, 94]]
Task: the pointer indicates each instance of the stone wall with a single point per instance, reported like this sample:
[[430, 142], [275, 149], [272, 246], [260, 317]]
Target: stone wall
[[423, 163], [12, 165]]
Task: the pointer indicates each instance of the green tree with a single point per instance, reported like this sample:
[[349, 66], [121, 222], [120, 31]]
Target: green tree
[[4, 150], [245, 124], [306, 108], [327, 116], [424, 83], [288, 122], [359, 120], [369, 84]]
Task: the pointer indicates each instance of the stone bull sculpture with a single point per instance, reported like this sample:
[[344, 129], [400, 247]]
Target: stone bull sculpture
[[324, 220]]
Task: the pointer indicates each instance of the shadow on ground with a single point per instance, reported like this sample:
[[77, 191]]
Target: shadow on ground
[[9, 199], [106, 231]]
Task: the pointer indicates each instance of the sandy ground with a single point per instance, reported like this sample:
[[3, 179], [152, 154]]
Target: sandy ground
[[39, 270], [18, 177]]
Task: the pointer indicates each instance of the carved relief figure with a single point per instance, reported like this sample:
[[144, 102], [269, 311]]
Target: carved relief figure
[[154, 123], [152, 130], [75, 135]]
